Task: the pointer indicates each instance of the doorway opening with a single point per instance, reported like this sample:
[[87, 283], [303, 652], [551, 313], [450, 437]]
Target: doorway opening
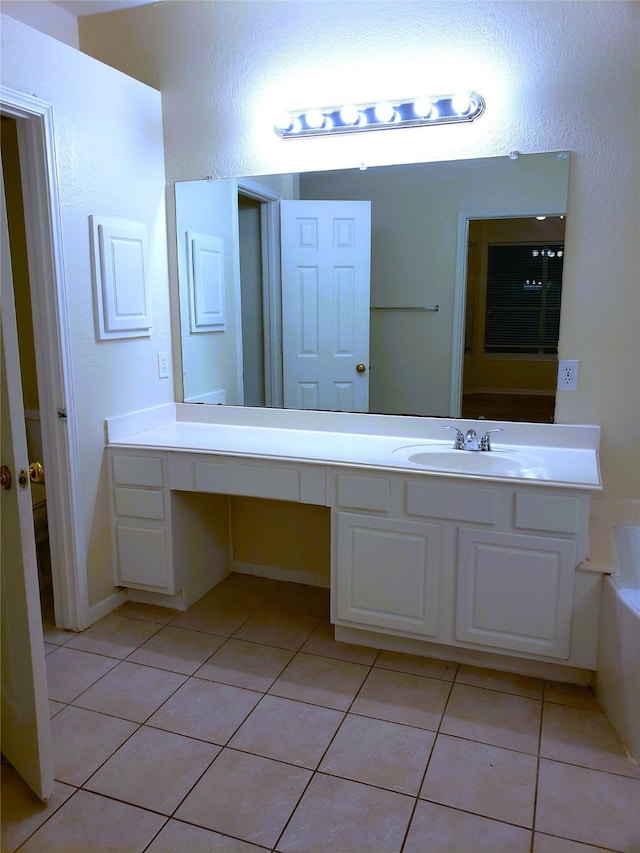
[[9, 148], [512, 313]]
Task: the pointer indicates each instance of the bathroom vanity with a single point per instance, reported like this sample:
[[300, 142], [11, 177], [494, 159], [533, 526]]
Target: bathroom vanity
[[435, 550]]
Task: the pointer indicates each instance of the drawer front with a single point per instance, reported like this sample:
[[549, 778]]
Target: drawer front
[[372, 493], [458, 503], [139, 503], [555, 513], [253, 481], [143, 558], [138, 471]]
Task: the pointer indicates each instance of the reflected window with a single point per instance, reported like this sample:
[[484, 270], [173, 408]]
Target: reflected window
[[524, 289]]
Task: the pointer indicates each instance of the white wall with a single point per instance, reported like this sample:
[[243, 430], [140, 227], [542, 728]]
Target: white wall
[[555, 76], [108, 139], [45, 17]]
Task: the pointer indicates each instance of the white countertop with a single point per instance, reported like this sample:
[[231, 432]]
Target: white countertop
[[564, 455]]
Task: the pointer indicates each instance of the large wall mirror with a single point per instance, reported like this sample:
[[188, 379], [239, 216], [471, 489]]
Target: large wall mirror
[[421, 289]]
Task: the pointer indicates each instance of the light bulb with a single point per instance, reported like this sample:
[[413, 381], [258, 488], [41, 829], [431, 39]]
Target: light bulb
[[461, 104], [535, 253], [422, 107], [349, 114], [284, 122], [384, 112], [315, 119]]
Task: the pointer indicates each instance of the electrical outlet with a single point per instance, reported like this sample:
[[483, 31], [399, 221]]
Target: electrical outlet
[[163, 365], [568, 374]]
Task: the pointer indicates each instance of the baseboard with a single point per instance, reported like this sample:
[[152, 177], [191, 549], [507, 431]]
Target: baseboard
[[107, 605], [279, 574]]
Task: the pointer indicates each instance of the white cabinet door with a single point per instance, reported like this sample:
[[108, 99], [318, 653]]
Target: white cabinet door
[[515, 591], [387, 573]]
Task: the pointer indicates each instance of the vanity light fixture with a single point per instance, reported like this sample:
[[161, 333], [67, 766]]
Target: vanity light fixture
[[416, 112]]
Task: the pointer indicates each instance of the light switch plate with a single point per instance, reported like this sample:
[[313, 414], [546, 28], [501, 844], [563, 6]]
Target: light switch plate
[[163, 365]]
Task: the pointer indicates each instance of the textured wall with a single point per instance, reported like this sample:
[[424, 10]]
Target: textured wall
[[108, 140], [555, 76]]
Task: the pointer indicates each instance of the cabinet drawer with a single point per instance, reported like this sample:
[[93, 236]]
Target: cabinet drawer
[[138, 471], [259, 479], [142, 558], [555, 513], [458, 503], [372, 493], [139, 503]]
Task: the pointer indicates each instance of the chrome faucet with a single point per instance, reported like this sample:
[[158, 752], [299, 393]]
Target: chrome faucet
[[470, 441]]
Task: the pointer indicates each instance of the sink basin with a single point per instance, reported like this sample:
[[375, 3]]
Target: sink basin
[[512, 463]]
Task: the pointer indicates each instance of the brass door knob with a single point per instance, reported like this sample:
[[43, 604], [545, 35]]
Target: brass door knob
[[360, 368], [36, 473], [6, 477]]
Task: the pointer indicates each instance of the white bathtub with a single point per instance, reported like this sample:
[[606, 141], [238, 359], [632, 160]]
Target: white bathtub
[[618, 676]]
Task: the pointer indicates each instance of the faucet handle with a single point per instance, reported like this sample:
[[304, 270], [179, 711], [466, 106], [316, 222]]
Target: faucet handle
[[485, 441], [458, 443]]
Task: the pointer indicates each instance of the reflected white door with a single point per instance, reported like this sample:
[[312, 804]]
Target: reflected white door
[[326, 264], [26, 734]]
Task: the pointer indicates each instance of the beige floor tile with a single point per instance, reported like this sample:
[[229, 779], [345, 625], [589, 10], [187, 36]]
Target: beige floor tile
[[250, 589], [491, 717], [280, 628], [401, 697], [570, 694], [245, 796], [22, 812], [71, 672], [88, 823], [54, 707], [205, 710], [147, 612], [439, 829], [312, 600], [114, 636], [322, 642], [215, 616], [56, 636], [416, 665], [588, 806], [288, 731], [130, 691], [507, 682], [320, 681], [486, 780], [379, 753], [177, 650], [339, 815], [582, 736], [48, 648], [82, 740], [153, 769], [243, 664], [178, 837], [550, 844]]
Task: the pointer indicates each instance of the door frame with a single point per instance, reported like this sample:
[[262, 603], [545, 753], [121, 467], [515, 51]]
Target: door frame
[[460, 293], [269, 200], [36, 142]]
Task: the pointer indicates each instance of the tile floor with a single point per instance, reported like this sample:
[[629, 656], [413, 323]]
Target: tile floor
[[242, 726]]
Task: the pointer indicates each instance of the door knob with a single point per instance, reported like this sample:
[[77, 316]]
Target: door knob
[[5, 477], [36, 473], [360, 368]]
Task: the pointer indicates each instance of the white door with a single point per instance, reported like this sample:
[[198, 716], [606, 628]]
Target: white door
[[326, 263], [26, 734]]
